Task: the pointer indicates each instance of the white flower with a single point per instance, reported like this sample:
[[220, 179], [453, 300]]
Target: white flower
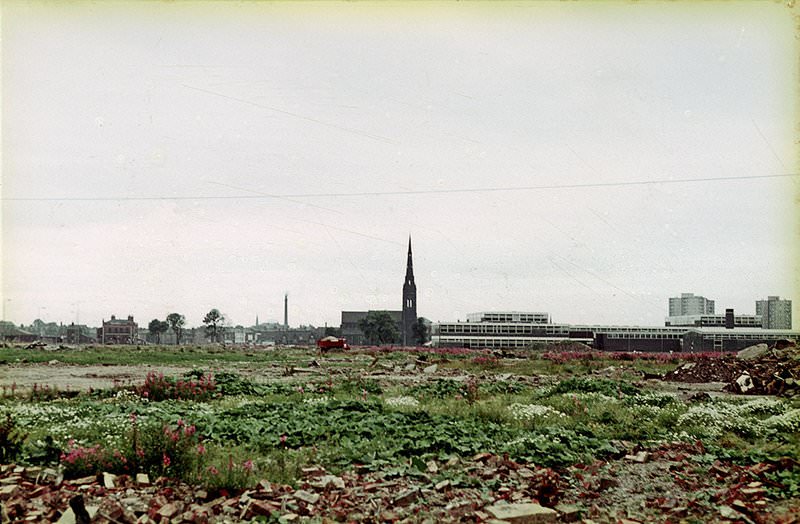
[[401, 402], [532, 411]]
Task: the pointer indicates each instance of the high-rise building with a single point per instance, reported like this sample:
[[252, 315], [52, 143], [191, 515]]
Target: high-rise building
[[409, 301], [690, 304], [776, 313]]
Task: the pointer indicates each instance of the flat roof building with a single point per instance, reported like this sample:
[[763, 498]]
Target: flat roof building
[[509, 316], [751, 321]]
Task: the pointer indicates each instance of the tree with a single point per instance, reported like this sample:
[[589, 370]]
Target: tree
[[333, 332], [213, 321], [421, 329], [379, 327], [176, 322], [156, 327]]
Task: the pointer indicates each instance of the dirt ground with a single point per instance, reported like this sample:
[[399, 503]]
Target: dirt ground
[[78, 378]]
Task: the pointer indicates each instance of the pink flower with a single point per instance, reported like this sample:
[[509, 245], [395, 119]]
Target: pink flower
[[201, 449], [283, 439], [248, 465], [188, 431], [165, 460], [213, 470]]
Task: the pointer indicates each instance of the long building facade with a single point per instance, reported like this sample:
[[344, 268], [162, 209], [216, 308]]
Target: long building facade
[[510, 334]]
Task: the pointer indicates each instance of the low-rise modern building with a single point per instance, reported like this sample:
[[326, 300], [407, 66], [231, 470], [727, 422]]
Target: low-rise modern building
[[751, 321], [775, 312], [509, 316], [522, 335]]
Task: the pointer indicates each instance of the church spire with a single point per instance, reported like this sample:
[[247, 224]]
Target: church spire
[[409, 264], [409, 301]]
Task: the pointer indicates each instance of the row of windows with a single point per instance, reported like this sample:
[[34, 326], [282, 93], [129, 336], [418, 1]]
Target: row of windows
[[549, 329], [738, 336], [503, 329], [496, 342], [654, 336]]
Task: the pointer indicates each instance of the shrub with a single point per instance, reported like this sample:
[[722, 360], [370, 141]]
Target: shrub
[[80, 461], [168, 451], [158, 387], [11, 439]]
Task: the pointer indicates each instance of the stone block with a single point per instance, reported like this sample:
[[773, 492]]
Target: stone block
[[528, 513]]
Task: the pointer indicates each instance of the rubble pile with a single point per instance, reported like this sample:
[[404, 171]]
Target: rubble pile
[[757, 370], [772, 372], [709, 369], [42, 495]]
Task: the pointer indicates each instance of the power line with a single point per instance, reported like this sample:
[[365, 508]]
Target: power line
[[405, 192]]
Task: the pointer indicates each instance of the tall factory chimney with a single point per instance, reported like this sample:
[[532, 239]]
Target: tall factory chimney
[[286, 311]]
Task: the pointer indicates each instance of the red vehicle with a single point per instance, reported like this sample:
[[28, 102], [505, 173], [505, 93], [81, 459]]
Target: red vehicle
[[328, 343]]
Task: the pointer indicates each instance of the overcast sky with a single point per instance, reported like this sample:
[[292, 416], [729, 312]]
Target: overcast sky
[[188, 156]]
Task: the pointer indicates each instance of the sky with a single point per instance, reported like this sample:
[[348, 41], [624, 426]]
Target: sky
[[589, 160]]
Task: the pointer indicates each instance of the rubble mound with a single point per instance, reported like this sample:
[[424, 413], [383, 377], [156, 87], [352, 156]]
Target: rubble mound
[[708, 369], [753, 371]]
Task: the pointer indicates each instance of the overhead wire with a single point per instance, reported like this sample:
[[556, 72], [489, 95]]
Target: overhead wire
[[586, 185]]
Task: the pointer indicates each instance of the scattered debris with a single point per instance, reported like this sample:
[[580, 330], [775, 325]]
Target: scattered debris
[[753, 371]]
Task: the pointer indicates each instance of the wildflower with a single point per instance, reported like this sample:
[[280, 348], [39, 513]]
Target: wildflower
[[283, 439], [201, 449], [165, 460], [248, 465], [401, 402], [213, 470]]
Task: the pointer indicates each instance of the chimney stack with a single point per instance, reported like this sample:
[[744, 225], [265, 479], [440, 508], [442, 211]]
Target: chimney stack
[[729, 322], [286, 311]]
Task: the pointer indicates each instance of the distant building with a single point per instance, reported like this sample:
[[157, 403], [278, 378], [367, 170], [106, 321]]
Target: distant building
[[79, 334], [751, 321], [690, 304], [405, 319], [11, 333], [409, 317], [509, 316], [352, 331], [775, 312], [528, 333], [118, 331]]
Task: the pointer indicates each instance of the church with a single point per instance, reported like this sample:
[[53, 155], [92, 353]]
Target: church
[[404, 318]]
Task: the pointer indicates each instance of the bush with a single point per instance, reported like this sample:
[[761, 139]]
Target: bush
[[158, 387], [11, 439], [168, 451]]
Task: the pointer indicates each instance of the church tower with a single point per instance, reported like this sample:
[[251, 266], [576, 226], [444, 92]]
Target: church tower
[[409, 301]]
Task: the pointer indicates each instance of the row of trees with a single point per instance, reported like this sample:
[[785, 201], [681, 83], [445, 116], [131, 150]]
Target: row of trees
[[175, 322], [378, 327], [214, 321]]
